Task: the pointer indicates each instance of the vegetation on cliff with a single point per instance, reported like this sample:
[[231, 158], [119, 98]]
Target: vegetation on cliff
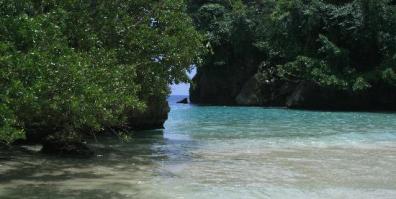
[[73, 67], [346, 46]]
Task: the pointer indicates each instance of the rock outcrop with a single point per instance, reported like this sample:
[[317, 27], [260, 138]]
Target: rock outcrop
[[211, 88], [257, 91], [248, 96], [222, 77], [153, 117], [183, 101], [308, 95]]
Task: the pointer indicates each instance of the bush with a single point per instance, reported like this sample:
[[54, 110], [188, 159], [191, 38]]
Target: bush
[[70, 65]]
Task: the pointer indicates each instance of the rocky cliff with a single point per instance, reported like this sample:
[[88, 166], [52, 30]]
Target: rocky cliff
[[153, 117], [218, 85], [244, 89], [298, 54]]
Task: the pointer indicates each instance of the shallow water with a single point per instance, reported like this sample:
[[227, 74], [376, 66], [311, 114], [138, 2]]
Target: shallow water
[[224, 152]]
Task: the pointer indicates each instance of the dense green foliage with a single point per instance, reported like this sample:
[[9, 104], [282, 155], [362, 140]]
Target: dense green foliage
[[347, 45], [229, 29], [350, 45], [67, 65]]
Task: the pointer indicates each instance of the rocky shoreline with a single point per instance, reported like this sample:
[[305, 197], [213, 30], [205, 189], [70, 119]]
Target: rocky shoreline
[[256, 91], [67, 144]]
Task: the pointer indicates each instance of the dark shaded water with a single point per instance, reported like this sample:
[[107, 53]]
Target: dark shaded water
[[224, 152]]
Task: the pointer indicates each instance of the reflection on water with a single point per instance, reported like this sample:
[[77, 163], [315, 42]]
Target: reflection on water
[[224, 152]]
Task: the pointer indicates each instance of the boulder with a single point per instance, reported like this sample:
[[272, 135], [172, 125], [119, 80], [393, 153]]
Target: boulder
[[183, 101]]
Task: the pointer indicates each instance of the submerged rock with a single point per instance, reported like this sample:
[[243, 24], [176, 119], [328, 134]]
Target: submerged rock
[[66, 147], [183, 101]]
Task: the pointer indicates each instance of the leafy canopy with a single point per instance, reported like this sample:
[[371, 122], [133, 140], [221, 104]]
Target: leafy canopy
[[69, 65], [346, 44]]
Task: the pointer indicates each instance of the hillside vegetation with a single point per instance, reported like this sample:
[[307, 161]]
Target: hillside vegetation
[[264, 51]]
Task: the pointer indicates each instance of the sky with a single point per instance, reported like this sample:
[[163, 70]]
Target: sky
[[182, 89]]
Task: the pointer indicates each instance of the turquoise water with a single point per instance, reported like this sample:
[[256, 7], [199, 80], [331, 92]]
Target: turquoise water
[[225, 152]]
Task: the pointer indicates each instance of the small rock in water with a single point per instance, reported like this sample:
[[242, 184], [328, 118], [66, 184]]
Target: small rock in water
[[183, 101]]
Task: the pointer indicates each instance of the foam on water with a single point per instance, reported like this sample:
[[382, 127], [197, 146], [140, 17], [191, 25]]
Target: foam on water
[[226, 152]]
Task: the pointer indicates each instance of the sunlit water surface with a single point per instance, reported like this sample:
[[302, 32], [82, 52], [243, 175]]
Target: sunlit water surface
[[224, 152]]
